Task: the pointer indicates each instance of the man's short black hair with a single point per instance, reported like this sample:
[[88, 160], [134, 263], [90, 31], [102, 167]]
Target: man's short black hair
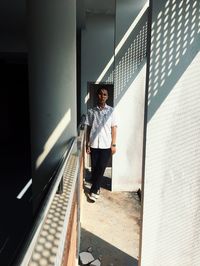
[[102, 88]]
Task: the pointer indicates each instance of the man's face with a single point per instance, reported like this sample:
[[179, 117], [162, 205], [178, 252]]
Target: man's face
[[102, 96]]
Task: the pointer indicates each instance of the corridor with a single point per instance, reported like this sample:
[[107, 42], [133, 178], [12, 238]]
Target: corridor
[[110, 226]]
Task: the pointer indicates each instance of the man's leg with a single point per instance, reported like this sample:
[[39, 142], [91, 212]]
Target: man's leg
[[94, 156], [102, 161]]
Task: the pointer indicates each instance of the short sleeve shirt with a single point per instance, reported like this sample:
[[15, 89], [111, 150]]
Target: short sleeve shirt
[[101, 121]]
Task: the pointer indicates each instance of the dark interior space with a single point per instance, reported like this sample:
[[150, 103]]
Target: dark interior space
[[16, 213]]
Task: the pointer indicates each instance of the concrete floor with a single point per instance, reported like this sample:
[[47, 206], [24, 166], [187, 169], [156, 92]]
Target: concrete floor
[[111, 225]]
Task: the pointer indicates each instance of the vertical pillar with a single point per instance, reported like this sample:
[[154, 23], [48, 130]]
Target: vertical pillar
[[52, 64], [170, 231], [129, 84]]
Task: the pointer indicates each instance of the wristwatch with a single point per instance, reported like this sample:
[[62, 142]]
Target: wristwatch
[[113, 145]]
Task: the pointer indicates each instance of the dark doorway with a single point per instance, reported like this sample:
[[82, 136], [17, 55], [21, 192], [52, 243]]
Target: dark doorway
[[92, 91]]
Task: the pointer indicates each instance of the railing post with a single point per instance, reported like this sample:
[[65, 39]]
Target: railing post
[[60, 187]]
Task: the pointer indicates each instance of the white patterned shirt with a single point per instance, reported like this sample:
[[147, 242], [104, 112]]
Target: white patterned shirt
[[101, 121]]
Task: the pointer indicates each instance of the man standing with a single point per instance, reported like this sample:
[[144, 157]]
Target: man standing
[[100, 139]]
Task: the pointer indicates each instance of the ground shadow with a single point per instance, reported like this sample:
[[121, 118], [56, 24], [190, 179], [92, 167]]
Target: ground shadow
[[105, 184], [111, 255], [106, 181]]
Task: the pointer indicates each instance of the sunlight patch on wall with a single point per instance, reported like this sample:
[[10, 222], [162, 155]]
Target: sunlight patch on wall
[[54, 138], [170, 234], [120, 45], [131, 28], [171, 174], [87, 97], [172, 33], [130, 62], [105, 70]]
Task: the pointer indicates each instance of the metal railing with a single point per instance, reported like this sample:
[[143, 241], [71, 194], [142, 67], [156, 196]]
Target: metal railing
[[47, 244]]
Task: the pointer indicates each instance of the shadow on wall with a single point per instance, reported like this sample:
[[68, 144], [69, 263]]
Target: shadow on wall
[[48, 160], [130, 59], [53, 138], [175, 41], [110, 254]]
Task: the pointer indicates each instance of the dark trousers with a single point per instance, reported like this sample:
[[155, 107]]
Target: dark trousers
[[99, 161]]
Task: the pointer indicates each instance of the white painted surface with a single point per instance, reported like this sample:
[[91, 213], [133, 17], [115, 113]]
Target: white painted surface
[[171, 195], [129, 85], [127, 162], [171, 212]]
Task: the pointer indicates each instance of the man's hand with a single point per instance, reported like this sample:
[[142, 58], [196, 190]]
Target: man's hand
[[88, 149], [88, 129], [113, 143], [113, 149]]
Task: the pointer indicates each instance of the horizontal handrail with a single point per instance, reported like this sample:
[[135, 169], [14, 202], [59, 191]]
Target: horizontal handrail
[[31, 241]]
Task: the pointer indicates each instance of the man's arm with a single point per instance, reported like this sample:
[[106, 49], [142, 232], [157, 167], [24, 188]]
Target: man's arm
[[113, 135], [88, 129]]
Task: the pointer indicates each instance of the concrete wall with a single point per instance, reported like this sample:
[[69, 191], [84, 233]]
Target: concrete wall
[[52, 60], [126, 12], [170, 231], [129, 85], [97, 50], [127, 162]]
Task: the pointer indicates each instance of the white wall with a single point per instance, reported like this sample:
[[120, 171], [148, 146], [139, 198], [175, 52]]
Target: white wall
[[52, 60], [129, 84], [127, 162], [170, 231]]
